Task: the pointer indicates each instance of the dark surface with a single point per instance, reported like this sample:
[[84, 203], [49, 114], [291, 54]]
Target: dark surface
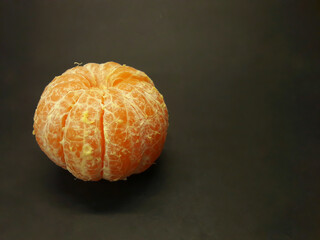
[[241, 81]]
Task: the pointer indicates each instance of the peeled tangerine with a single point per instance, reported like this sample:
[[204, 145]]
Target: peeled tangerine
[[101, 121]]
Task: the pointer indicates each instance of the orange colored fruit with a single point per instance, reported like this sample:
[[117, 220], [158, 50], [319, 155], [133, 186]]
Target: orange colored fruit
[[101, 121]]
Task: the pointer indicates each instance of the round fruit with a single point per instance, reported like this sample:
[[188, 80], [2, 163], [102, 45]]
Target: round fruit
[[101, 121]]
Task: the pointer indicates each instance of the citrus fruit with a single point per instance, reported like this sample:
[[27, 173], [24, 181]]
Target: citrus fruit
[[101, 121]]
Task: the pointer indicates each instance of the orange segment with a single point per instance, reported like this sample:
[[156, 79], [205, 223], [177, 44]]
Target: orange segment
[[126, 73], [48, 120], [82, 72], [122, 131], [94, 70], [82, 137], [148, 100], [54, 127]]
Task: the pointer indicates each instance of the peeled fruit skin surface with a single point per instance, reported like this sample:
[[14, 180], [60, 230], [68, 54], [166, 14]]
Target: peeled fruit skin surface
[[101, 121]]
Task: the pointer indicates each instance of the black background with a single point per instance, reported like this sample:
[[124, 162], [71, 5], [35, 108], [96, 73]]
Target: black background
[[240, 79]]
